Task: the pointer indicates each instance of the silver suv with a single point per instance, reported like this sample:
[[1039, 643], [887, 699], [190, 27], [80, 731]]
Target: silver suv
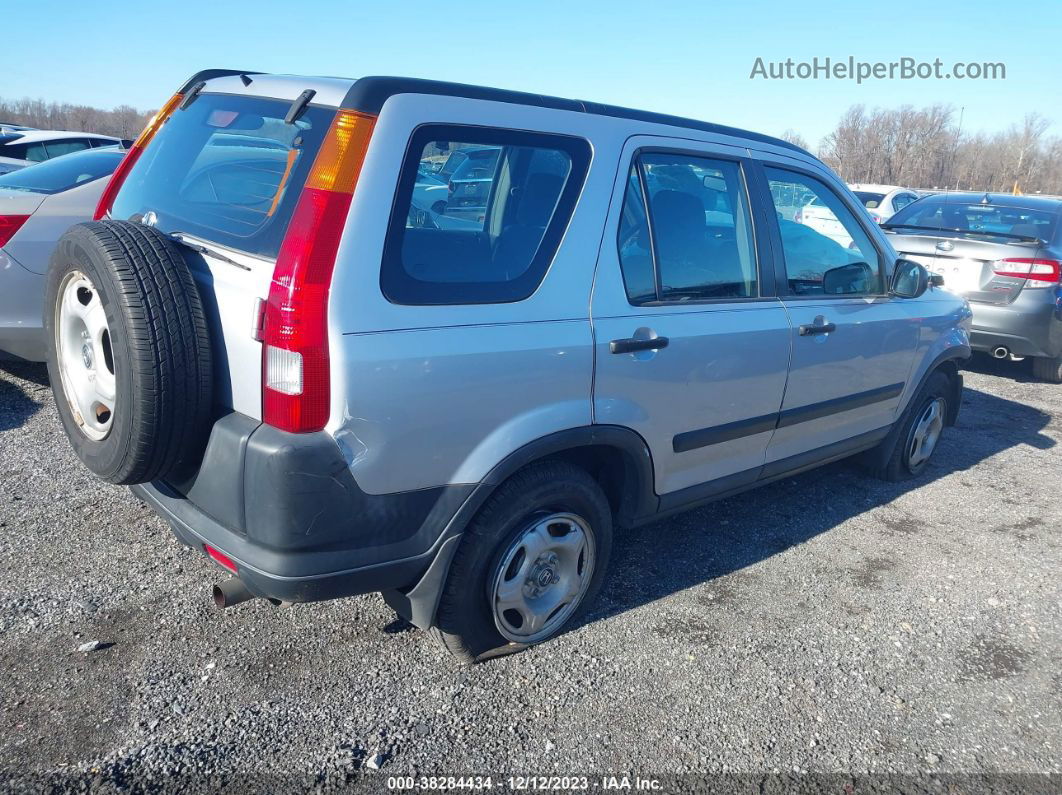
[[332, 388]]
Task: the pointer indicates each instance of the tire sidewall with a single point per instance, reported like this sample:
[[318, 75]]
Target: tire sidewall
[[490, 540], [936, 388], [106, 455]]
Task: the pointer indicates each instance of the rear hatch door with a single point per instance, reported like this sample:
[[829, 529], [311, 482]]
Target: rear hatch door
[[223, 176]]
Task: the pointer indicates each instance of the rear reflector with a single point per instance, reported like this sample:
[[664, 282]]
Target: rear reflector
[[120, 173], [9, 224], [296, 393], [221, 558], [1039, 272]]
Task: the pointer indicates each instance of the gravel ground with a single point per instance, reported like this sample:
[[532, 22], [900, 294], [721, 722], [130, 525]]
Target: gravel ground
[[827, 624]]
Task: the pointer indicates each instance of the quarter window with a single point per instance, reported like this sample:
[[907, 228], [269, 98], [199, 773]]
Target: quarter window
[[695, 242], [483, 227], [826, 250]]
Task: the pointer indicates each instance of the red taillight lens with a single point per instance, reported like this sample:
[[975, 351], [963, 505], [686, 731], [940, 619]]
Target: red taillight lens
[[9, 224], [120, 173], [221, 558], [296, 392], [798, 217], [1039, 272]]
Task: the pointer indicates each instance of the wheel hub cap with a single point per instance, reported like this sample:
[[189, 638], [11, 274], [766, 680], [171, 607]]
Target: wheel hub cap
[[85, 357], [542, 577], [926, 433]]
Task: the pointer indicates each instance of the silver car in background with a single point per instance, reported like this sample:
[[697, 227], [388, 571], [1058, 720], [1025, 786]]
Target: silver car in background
[[1003, 254], [38, 204]]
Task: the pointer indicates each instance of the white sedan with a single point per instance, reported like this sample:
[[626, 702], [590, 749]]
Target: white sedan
[[20, 148]]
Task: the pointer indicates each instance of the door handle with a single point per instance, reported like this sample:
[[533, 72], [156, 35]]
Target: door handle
[[633, 344], [818, 328]]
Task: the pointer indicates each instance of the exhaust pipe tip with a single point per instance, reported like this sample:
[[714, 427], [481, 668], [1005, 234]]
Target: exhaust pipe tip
[[1000, 352], [231, 592]]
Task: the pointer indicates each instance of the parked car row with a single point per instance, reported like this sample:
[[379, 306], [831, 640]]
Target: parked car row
[[23, 146], [443, 361]]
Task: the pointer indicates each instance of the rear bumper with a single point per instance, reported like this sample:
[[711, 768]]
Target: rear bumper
[[287, 510], [21, 302], [1026, 327]]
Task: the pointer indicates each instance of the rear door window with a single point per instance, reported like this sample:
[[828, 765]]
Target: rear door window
[[227, 169], [487, 232], [696, 242]]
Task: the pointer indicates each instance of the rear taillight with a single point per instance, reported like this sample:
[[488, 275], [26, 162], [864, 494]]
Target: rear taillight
[[1039, 272], [9, 224], [295, 364], [120, 173], [798, 216]]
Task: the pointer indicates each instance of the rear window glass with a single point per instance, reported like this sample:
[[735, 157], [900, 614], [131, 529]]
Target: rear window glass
[[226, 169], [937, 214], [62, 173], [487, 233], [870, 200]]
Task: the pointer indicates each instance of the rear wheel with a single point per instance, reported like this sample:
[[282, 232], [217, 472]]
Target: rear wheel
[[128, 351], [1049, 370], [530, 563]]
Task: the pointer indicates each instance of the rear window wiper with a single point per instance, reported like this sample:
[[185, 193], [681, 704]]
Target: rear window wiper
[[206, 252], [913, 226], [941, 229]]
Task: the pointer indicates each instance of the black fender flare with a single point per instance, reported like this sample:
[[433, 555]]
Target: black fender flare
[[419, 603]]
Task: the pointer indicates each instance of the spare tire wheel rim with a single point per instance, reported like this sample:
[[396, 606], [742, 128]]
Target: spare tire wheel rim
[[542, 577], [85, 356]]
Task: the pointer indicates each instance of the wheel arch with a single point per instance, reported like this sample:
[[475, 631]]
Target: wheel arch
[[616, 457]]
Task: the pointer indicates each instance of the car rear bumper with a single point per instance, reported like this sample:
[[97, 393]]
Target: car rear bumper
[[286, 509], [21, 307], [1025, 328]]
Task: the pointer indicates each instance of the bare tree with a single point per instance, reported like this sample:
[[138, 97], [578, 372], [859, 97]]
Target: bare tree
[[924, 148], [793, 137], [122, 122]]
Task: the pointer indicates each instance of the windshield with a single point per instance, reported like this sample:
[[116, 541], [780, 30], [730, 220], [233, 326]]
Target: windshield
[[870, 200], [227, 169], [941, 214], [63, 173]]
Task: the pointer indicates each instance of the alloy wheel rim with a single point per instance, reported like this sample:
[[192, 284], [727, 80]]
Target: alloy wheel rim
[[85, 355], [926, 434], [543, 577]]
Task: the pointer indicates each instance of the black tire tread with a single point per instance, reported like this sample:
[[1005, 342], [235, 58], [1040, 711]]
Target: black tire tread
[[891, 467], [481, 530], [1046, 369], [168, 343]]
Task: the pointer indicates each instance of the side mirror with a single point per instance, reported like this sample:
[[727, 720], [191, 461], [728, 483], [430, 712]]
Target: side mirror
[[854, 277], [910, 280]]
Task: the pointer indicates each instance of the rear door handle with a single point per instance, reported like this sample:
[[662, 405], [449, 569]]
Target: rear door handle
[[632, 344], [818, 328]]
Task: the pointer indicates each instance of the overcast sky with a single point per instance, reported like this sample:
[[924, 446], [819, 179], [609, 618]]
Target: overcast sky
[[688, 58]]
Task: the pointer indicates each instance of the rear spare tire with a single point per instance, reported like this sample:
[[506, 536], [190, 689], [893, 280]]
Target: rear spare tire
[[128, 350]]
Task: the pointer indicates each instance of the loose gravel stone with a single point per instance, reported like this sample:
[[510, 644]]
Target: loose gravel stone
[[827, 623]]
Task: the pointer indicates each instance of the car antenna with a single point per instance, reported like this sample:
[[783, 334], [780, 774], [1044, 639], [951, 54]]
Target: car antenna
[[245, 80], [299, 105]]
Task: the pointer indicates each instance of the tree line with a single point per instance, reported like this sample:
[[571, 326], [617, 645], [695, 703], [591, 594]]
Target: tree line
[[914, 147], [927, 148], [123, 121]]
